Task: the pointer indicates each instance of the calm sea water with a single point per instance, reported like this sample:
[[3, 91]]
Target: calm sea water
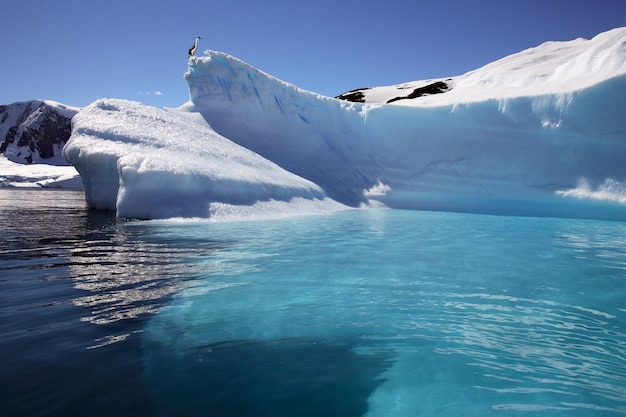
[[362, 313]]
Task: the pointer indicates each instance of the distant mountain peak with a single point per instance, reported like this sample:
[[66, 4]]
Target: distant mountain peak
[[35, 131]]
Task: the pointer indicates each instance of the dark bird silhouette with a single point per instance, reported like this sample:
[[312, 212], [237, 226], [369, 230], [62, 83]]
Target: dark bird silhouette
[[192, 50]]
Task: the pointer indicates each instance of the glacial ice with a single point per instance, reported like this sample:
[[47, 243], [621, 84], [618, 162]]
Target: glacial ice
[[541, 132], [150, 163]]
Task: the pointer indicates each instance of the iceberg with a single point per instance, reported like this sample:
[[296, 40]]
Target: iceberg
[[149, 163], [540, 132]]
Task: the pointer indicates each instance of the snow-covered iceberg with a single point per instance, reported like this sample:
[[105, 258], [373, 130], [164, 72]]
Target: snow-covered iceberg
[[148, 163], [541, 132]]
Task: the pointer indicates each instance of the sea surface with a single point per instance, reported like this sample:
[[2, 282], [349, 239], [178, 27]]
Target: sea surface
[[359, 313]]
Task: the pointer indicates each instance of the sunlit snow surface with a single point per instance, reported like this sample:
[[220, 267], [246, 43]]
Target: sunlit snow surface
[[150, 163], [17, 175], [541, 132]]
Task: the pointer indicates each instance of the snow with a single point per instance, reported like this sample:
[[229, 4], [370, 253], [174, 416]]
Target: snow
[[66, 110], [541, 132], [610, 190], [553, 68], [150, 163], [17, 175]]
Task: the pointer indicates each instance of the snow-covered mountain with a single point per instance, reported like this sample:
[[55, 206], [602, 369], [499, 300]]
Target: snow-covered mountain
[[35, 131], [32, 135], [541, 132]]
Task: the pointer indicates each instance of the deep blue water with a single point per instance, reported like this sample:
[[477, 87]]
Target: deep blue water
[[362, 313]]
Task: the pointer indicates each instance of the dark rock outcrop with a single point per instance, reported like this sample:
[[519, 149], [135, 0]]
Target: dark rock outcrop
[[356, 96], [390, 94], [434, 88]]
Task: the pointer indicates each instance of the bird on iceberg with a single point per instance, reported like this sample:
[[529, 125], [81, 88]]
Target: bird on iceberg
[[192, 50]]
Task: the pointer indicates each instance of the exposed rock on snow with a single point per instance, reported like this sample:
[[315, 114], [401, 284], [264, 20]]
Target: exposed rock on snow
[[415, 89]]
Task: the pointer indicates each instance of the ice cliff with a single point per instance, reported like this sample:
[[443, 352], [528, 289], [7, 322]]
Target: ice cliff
[[541, 132]]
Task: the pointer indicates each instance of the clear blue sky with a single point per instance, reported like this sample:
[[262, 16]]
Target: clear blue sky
[[76, 51]]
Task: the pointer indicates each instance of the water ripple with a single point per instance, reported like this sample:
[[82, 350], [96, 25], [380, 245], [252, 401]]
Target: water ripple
[[122, 271], [535, 347]]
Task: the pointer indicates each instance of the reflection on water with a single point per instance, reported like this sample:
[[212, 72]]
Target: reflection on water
[[122, 271], [73, 282], [603, 244], [126, 275]]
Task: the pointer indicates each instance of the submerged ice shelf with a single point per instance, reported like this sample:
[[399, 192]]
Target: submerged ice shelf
[[540, 132]]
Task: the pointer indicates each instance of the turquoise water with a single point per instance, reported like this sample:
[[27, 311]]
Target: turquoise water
[[362, 313]]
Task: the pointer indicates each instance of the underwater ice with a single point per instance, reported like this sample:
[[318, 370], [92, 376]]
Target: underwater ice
[[394, 313], [541, 132]]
